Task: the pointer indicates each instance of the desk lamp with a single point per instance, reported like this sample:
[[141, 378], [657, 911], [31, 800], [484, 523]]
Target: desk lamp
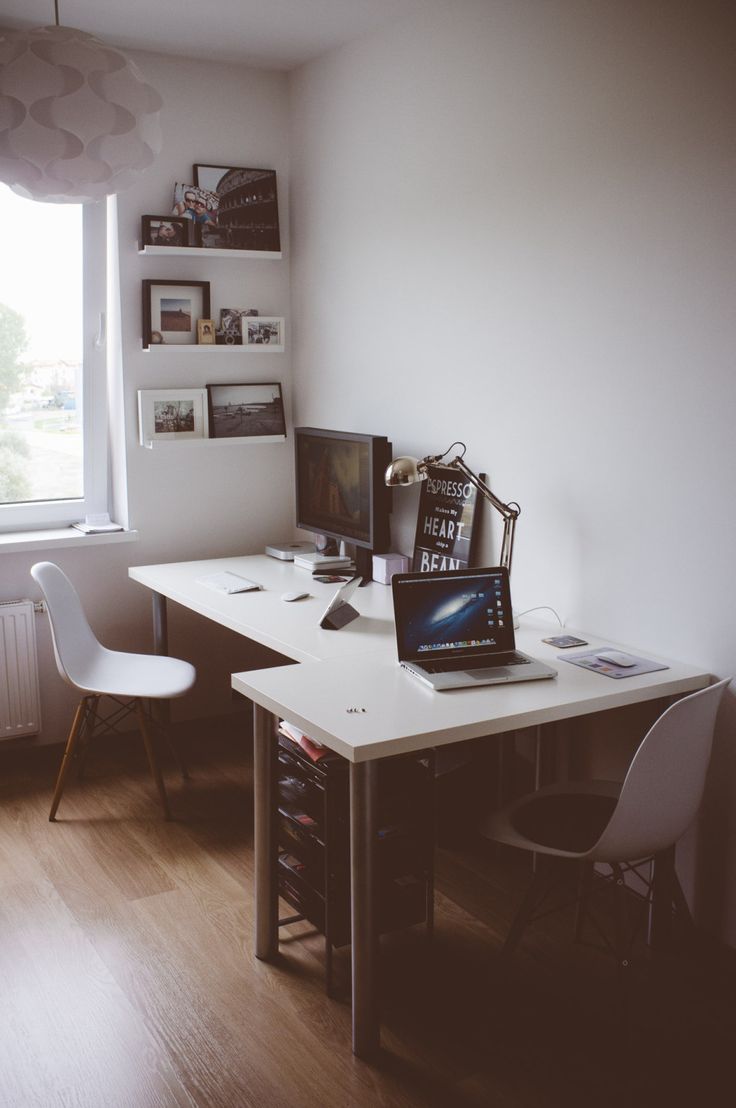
[[407, 470]]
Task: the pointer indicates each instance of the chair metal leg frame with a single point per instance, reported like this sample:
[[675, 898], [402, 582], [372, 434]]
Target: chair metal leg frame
[[625, 899], [532, 901], [585, 881], [622, 941], [87, 722], [86, 734], [589, 884], [155, 721]]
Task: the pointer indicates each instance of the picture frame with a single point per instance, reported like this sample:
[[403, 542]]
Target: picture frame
[[246, 411], [171, 415], [248, 210], [230, 318], [164, 230], [447, 522], [172, 308], [206, 332], [198, 206], [263, 333]]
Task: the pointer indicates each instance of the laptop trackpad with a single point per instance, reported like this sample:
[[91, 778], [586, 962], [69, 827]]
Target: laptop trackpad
[[499, 672]]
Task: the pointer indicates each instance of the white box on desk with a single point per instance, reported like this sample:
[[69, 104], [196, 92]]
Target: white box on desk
[[386, 565]]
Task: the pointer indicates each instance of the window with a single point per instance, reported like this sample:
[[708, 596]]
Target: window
[[53, 430]]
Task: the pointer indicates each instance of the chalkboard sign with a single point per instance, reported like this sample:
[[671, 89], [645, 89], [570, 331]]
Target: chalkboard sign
[[448, 512]]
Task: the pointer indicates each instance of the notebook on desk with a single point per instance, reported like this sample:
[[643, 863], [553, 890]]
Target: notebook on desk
[[455, 629]]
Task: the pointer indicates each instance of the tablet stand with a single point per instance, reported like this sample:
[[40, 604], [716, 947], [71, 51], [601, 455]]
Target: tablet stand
[[338, 617]]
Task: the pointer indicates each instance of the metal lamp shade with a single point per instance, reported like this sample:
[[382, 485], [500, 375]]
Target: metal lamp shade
[[406, 471], [77, 120]]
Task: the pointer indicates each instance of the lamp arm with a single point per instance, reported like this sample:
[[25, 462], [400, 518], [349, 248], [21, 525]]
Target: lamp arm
[[510, 512]]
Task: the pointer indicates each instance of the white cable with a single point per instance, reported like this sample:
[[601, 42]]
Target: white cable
[[540, 608]]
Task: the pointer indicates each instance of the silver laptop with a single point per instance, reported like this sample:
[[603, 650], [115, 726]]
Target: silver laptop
[[455, 629]]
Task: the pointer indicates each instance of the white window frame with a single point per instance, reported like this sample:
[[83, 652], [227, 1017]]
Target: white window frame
[[59, 513]]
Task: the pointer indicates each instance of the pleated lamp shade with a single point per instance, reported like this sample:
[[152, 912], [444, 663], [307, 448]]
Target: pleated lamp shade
[[77, 120]]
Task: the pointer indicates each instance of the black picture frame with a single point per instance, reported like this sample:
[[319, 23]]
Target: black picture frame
[[157, 313], [164, 230], [252, 410], [447, 520], [248, 209]]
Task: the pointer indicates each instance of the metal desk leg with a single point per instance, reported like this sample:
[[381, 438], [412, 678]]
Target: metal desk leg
[[264, 837], [160, 624], [366, 1024], [660, 917]]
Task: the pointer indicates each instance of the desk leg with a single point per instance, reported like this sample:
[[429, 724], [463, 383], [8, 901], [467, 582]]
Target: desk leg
[[161, 709], [366, 1024], [264, 837], [160, 624], [660, 917]]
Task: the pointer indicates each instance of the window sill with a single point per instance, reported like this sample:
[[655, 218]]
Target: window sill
[[16, 542]]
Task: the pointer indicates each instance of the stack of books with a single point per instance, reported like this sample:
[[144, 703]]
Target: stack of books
[[311, 747], [325, 563]]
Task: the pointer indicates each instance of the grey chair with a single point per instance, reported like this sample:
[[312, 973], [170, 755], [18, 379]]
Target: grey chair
[[623, 825]]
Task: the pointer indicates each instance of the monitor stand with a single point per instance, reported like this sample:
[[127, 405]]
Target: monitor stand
[[364, 564]]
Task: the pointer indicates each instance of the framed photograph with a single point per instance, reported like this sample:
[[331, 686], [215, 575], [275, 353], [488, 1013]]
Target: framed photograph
[[206, 332], [263, 333], [198, 206], [167, 415], [163, 230], [171, 310], [253, 412], [248, 210], [230, 318]]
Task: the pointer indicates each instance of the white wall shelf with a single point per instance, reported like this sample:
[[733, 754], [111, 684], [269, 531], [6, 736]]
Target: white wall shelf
[[198, 348], [204, 251], [256, 440]]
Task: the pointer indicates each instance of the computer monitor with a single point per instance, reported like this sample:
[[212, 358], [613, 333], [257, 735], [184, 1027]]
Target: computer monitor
[[341, 491]]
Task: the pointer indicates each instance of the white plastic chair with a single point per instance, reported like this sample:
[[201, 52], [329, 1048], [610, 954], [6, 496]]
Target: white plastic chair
[[97, 671], [620, 824]]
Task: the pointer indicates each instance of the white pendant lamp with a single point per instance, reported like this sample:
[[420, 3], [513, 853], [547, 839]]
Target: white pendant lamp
[[77, 120]]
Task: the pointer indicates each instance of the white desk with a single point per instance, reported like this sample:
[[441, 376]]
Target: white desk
[[289, 628], [356, 668]]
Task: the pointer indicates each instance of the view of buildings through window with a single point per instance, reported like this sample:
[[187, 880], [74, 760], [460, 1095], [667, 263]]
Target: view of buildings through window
[[41, 445]]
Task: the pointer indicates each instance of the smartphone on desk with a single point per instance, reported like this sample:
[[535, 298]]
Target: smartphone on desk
[[562, 642]]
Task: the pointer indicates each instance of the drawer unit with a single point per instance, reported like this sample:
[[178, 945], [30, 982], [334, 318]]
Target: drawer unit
[[314, 842]]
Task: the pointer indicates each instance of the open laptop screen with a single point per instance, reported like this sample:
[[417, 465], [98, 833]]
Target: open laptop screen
[[453, 613]]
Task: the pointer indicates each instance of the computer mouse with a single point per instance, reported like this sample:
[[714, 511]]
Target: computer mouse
[[289, 596], [616, 658]]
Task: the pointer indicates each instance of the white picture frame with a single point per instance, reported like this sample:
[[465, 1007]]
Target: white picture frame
[[263, 333], [171, 415]]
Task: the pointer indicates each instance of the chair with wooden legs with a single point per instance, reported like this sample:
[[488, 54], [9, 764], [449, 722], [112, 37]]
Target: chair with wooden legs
[[623, 825], [127, 679]]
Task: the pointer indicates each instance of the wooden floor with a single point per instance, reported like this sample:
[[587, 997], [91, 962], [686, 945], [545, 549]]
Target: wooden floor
[[127, 976]]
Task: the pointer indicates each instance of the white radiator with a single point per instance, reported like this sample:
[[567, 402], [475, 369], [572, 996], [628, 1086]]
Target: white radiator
[[20, 704]]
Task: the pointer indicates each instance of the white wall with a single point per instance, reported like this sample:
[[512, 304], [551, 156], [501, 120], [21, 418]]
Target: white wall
[[186, 502], [513, 224]]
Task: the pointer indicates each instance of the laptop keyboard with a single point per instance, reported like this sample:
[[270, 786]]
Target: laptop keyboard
[[479, 661]]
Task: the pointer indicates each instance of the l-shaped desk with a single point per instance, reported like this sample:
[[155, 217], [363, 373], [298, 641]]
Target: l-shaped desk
[[350, 694]]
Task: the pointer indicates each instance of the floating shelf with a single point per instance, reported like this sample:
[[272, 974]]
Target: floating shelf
[[200, 251], [255, 440], [198, 347]]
